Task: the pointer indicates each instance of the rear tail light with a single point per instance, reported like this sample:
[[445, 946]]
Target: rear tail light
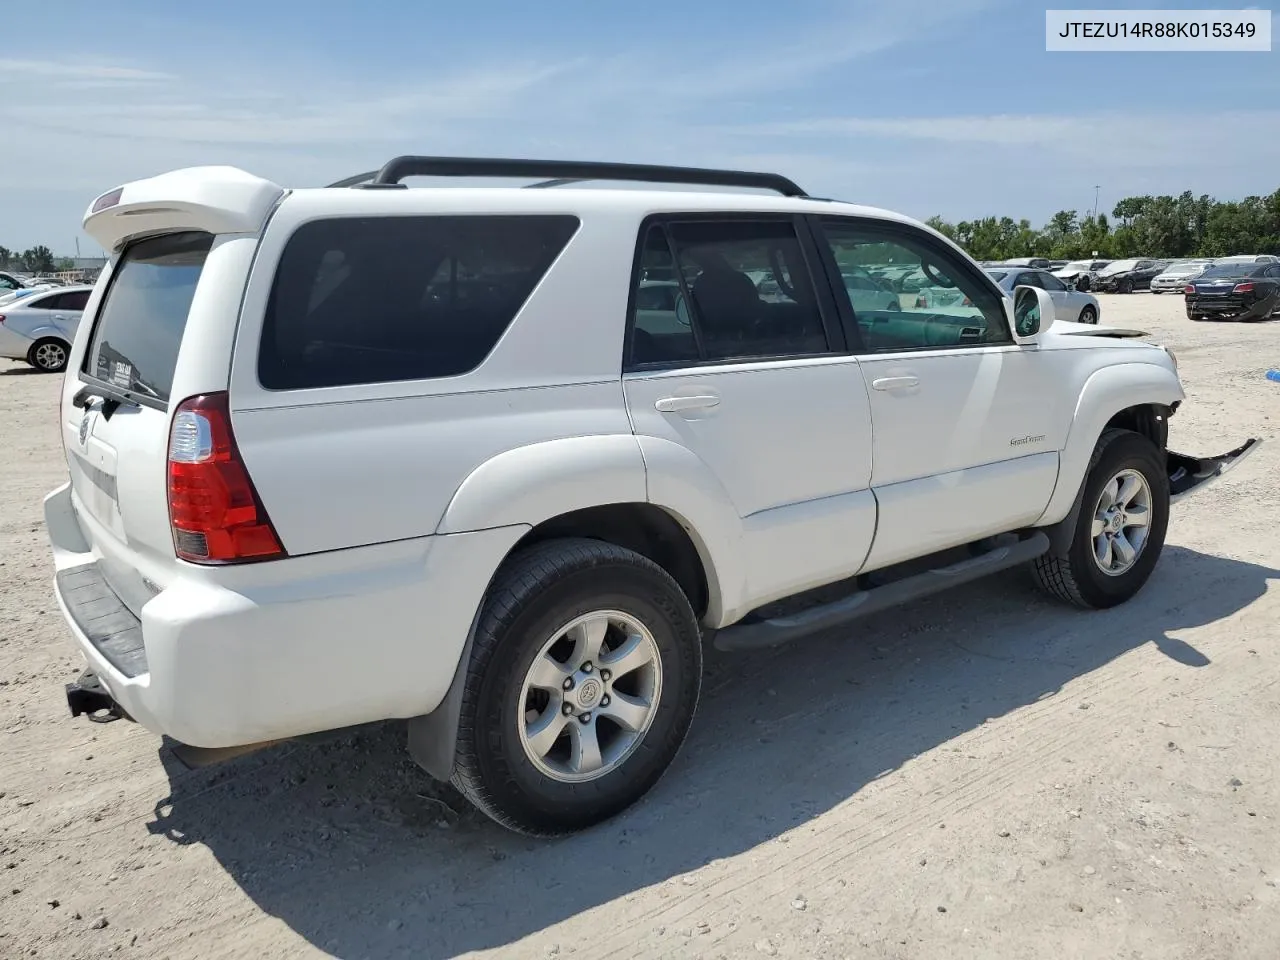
[[921, 303], [1, 318], [1243, 288], [214, 511], [967, 302], [1189, 289]]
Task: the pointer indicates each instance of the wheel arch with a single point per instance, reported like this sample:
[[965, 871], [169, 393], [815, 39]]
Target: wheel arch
[[649, 495], [1129, 396]]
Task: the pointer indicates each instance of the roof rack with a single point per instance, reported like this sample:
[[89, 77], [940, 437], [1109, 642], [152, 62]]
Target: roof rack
[[559, 172]]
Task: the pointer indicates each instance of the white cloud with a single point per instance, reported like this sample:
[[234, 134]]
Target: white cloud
[[61, 70], [1109, 139]]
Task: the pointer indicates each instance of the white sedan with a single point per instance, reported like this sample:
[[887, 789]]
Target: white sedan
[[40, 327], [1070, 305]]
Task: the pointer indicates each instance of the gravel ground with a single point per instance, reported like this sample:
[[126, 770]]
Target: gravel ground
[[983, 775]]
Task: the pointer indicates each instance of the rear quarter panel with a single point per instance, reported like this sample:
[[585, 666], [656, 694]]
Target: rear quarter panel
[[342, 466]]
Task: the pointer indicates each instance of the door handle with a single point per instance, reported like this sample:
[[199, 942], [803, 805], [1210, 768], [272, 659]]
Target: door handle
[[677, 404], [895, 383]]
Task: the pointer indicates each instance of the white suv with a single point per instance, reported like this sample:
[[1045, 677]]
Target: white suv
[[347, 454]]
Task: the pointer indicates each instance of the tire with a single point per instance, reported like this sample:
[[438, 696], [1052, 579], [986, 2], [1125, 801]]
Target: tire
[[1089, 315], [49, 355], [1125, 286], [1076, 576], [538, 593]]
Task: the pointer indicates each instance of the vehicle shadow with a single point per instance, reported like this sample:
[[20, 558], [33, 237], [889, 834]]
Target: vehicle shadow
[[363, 855], [16, 371]]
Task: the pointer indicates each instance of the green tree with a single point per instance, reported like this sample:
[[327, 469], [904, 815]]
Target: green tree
[[37, 260], [944, 228], [1146, 226], [66, 263], [6, 255]]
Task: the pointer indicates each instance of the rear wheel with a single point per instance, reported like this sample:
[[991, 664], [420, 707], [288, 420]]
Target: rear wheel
[[585, 674], [48, 355], [1120, 531], [1089, 315]]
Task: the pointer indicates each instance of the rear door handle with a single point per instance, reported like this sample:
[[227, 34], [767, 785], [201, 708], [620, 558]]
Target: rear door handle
[[895, 383], [677, 404]]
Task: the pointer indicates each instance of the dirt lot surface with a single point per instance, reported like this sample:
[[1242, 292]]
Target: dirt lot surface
[[985, 775]]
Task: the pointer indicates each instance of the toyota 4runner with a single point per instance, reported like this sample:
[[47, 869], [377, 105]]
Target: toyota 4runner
[[498, 461]]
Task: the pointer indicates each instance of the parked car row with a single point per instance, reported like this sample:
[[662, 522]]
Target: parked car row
[[38, 324]]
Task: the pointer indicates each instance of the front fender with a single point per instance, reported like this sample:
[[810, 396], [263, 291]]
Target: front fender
[[534, 483], [1107, 392]]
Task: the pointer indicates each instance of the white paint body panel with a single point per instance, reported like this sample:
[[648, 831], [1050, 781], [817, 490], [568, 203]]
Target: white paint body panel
[[397, 502], [790, 444]]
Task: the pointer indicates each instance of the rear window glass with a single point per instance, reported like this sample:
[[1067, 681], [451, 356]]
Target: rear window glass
[[373, 300], [141, 320]]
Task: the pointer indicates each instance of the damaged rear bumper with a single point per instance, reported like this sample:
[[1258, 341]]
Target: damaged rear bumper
[[1188, 475]]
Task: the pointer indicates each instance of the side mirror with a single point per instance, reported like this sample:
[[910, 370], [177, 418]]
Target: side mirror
[[1032, 313]]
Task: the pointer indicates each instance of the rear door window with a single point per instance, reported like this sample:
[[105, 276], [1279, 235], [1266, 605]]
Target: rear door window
[[74, 301], [376, 300], [139, 328], [44, 303]]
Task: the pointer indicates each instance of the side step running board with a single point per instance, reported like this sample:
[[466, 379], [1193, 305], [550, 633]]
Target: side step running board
[[780, 630]]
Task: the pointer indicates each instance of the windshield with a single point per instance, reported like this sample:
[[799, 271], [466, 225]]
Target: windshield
[[140, 324], [1183, 269], [1230, 270], [1120, 266], [1077, 266]]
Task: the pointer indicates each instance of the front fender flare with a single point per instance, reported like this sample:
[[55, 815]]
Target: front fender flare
[[1106, 393]]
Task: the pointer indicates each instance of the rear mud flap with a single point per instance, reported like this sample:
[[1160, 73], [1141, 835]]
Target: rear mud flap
[[1188, 475]]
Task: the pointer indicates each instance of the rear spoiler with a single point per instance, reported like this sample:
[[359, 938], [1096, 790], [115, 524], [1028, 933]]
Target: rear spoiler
[[210, 199]]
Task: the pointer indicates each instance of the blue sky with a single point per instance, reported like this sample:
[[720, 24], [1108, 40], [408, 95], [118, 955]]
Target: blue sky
[[923, 106]]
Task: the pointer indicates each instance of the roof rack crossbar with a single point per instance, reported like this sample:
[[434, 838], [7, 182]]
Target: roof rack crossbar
[[556, 172]]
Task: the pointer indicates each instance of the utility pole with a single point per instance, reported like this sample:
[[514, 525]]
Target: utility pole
[[1095, 201]]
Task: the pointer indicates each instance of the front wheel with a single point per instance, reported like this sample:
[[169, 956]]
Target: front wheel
[[1125, 286], [1089, 315], [1120, 531], [583, 681]]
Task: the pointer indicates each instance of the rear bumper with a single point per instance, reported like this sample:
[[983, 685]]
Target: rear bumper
[[279, 649], [1228, 308]]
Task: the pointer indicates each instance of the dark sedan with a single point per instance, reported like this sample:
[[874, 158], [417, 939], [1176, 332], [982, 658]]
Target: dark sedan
[[1235, 291], [1126, 276]]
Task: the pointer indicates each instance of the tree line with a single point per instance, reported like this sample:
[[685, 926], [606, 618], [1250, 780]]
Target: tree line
[[38, 259], [1163, 227]]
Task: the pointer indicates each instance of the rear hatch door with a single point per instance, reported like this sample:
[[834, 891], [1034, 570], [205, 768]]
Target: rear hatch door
[[115, 411]]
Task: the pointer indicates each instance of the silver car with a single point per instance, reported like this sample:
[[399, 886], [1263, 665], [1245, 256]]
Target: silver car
[[40, 327], [1175, 275], [1069, 305]]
